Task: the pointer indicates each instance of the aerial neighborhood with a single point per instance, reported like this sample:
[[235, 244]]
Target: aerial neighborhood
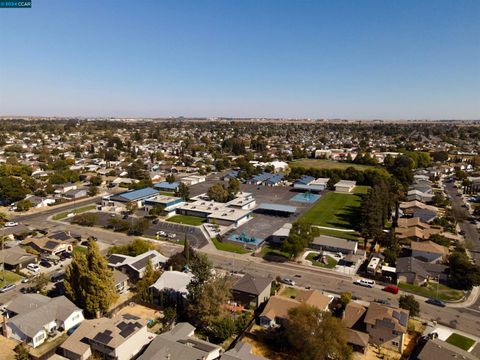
[[239, 239]]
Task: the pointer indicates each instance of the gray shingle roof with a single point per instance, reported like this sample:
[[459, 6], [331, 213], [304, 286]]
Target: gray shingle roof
[[252, 284]]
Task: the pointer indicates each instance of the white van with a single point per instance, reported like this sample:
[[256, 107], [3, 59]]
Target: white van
[[33, 268], [365, 282]]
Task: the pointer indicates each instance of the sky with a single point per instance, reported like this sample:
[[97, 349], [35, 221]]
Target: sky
[[357, 59]]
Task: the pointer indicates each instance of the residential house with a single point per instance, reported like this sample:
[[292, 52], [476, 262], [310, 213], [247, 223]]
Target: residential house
[[334, 244], [418, 209], [416, 229], [173, 285], [345, 186], [440, 350], [75, 194], [63, 188], [33, 317], [135, 266], [241, 351], [47, 246], [386, 326], [121, 281], [276, 311], [353, 319], [180, 343], [281, 234], [16, 258], [413, 271], [120, 338], [428, 251], [415, 194], [251, 288], [39, 202]]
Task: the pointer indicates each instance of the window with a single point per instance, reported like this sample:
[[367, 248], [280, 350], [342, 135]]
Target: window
[[381, 339], [39, 338], [395, 343]]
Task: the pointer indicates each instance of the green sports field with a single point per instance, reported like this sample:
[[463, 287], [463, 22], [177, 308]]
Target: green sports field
[[336, 210]]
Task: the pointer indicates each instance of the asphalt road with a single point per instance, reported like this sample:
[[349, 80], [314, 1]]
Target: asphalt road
[[471, 231], [466, 319]]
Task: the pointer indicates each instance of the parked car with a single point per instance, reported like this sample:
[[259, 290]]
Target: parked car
[[436, 302], [28, 290], [11, 223], [33, 268], [365, 282], [161, 233], [25, 280], [7, 288], [391, 289], [288, 281], [45, 263], [382, 301], [172, 235], [58, 276]]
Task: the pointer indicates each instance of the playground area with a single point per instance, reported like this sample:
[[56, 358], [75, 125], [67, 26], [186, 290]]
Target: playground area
[[306, 197], [248, 241]]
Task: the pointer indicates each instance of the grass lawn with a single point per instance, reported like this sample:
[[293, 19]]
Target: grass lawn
[[336, 210], [460, 341], [430, 290], [229, 247], [64, 214], [331, 262], [273, 252], [289, 292], [10, 278], [341, 234], [186, 219], [79, 249], [167, 193], [329, 164]]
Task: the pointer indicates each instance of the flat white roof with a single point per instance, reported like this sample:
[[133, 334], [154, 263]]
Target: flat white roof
[[346, 183]]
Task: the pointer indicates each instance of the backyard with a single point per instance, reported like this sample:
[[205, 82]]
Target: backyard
[[336, 210], [430, 290], [460, 341], [315, 258], [187, 220]]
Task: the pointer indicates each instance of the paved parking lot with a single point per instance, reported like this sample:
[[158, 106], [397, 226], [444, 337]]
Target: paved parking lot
[[194, 235], [263, 225]]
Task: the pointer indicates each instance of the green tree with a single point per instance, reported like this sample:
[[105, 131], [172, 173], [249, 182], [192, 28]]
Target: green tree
[[22, 352], [86, 219], [463, 274], [40, 283], [409, 303], [183, 191], [142, 287], [96, 180], [233, 187], [316, 335], [134, 248], [24, 205], [131, 207], [11, 190], [217, 192], [89, 282], [170, 178], [157, 210], [92, 191]]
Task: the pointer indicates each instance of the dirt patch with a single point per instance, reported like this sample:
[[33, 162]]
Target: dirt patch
[[6, 348], [141, 311]]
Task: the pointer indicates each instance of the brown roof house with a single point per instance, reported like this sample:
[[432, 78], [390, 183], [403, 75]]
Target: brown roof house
[[276, 310], [353, 317], [16, 258], [119, 338], [252, 289], [48, 246], [428, 251], [386, 326]]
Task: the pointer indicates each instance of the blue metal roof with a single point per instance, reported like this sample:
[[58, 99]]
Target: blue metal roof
[[262, 177], [277, 207], [166, 185], [138, 194], [275, 178], [305, 180]]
